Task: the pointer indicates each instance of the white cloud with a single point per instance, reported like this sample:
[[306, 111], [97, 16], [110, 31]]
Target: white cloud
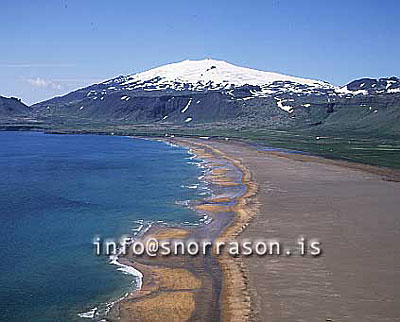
[[43, 83]]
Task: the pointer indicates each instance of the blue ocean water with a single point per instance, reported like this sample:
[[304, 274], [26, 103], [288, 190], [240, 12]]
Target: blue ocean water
[[59, 191]]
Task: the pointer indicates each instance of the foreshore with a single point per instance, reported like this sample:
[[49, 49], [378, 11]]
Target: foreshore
[[198, 288], [351, 208]]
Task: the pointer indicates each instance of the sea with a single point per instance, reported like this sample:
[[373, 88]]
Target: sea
[[60, 192]]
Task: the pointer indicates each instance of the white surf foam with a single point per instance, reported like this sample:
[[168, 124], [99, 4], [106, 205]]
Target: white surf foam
[[89, 314]]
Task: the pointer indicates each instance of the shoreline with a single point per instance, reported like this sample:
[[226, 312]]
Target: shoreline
[[229, 296], [235, 300]]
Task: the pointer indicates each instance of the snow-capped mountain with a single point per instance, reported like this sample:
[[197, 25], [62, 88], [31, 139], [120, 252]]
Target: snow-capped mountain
[[370, 86], [210, 90], [209, 74]]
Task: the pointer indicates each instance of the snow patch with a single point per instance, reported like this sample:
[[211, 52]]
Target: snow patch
[[286, 108], [186, 106]]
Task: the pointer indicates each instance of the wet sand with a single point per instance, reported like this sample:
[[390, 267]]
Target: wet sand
[[180, 288], [354, 210]]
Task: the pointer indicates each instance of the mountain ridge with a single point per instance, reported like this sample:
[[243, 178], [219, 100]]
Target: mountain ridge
[[194, 93], [12, 106], [203, 91]]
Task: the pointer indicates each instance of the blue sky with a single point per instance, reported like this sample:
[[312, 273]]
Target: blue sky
[[51, 47]]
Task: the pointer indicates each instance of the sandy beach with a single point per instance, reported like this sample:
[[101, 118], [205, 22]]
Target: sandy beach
[[351, 209], [355, 215]]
